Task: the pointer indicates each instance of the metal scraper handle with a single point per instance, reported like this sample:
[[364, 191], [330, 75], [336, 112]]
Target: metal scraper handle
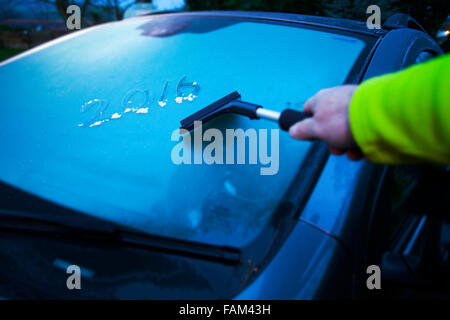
[[285, 119]]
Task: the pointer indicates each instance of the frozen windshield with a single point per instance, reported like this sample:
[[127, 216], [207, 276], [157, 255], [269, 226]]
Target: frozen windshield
[[87, 122]]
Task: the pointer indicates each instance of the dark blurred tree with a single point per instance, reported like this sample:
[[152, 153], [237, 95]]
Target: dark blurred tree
[[429, 13], [61, 6], [114, 6], [7, 10], [297, 6], [97, 10], [118, 10]]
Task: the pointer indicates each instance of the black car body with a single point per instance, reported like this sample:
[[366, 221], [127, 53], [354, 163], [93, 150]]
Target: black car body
[[332, 218]]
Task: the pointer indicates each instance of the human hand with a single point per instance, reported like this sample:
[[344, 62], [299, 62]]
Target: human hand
[[330, 121]]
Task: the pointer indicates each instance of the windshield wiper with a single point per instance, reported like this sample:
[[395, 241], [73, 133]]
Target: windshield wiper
[[78, 226], [21, 211]]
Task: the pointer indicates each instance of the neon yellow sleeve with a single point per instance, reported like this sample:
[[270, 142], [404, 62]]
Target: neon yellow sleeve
[[404, 117]]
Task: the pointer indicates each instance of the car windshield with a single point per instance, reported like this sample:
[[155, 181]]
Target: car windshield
[[89, 122]]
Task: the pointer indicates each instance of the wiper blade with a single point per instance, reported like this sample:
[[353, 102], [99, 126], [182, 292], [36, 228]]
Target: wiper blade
[[225, 254], [80, 226], [76, 221]]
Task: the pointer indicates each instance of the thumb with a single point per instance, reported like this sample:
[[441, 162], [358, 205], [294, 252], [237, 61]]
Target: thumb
[[303, 130]]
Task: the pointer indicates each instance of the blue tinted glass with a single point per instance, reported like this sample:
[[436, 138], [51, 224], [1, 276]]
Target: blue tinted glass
[[87, 122]]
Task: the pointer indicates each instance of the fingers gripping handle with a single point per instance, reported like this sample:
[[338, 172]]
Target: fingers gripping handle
[[288, 117]]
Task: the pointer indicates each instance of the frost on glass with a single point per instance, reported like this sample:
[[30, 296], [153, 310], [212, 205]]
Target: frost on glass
[[101, 108]]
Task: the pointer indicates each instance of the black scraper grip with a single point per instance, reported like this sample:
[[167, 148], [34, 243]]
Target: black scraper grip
[[288, 117]]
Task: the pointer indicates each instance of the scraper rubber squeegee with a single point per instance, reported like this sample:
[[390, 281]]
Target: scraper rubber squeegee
[[232, 103]]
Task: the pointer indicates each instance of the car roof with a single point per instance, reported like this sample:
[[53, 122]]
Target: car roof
[[335, 23]]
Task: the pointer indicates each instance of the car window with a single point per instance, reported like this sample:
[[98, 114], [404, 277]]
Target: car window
[[87, 122]]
